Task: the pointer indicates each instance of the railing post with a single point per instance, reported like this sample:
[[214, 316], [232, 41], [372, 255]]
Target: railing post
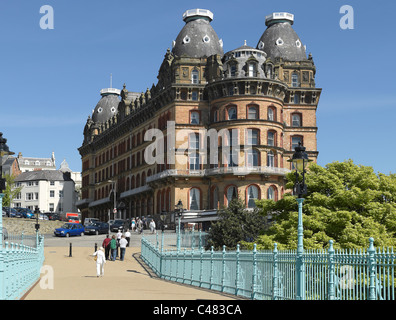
[[300, 267], [223, 275], [275, 291], [254, 276], [237, 270], [161, 254], [372, 270], [201, 267], [331, 266], [211, 267]]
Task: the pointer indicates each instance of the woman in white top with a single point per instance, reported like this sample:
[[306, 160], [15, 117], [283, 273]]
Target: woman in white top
[[100, 261]]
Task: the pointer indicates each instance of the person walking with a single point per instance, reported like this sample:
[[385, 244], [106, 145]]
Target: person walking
[[133, 225], [119, 235], [106, 246], [113, 247], [100, 262], [123, 245], [152, 226], [140, 226], [128, 237]]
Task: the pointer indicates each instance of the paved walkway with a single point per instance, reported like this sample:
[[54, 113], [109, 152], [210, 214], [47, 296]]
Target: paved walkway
[[74, 278]]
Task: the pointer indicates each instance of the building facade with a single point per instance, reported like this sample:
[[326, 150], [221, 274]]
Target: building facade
[[216, 126]]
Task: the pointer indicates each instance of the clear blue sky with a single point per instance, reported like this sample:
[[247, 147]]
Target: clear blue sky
[[50, 79]]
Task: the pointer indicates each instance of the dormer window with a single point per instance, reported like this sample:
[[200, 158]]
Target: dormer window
[[194, 76], [251, 69], [233, 70], [295, 81], [232, 113]]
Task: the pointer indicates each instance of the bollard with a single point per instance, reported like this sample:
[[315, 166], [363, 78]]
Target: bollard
[[96, 247], [70, 250]]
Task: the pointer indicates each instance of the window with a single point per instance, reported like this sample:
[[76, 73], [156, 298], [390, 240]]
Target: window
[[194, 76], [215, 198], [194, 161], [60, 193], [194, 141], [295, 141], [231, 194], [194, 117], [52, 194], [29, 196], [232, 113], [295, 82], [233, 70], [271, 114], [272, 193], [194, 96], [270, 159], [296, 98], [271, 138], [296, 120], [233, 158], [195, 198], [252, 158], [253, 137], [51, 207], [251, 70], [52, 183], [252, 195], [252, 112]]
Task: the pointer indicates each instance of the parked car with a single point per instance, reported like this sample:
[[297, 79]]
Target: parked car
[[97, 227], [43, 216], [88, 221], [12, 213], [52, 216], [70, 229], [26, 213], [4, 212], [117, 225]]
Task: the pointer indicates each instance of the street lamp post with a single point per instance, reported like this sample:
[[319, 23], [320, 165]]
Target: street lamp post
[[300, 161], [179, 210], [4, 151]]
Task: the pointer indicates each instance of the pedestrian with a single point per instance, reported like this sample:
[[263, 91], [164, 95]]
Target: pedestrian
[[119, 235], [140, 226], [133, 225], [106, 246], [113, 248], [152, 226], [128, 237], [100, 262], [123, 244]]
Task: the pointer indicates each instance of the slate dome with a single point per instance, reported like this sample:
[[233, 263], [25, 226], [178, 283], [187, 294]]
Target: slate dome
[[107, 106], [197, 38], [279, 40]]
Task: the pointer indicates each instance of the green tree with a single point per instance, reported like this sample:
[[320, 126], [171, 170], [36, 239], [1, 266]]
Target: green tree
[[347, 203], [10, 192], [236, 223]]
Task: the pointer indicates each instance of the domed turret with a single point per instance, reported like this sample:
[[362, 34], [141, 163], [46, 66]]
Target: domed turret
[[197, 38], [280, 40], [107, 106]]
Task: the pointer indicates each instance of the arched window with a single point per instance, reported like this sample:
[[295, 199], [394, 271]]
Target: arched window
[[272, 193], [138, 181], [252, 194], [195, 77], [252, 112], [231, 193], [194, 117], [295, 80], [270, 159], [194, 199], [231, 113], [133, 182], [252, 158], [215, 198], [271, 114]]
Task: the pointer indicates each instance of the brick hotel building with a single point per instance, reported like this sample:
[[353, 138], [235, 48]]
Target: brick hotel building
[[265, 97]]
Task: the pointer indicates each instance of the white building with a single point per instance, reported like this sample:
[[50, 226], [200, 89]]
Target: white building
[[48, 190], [33, 163]]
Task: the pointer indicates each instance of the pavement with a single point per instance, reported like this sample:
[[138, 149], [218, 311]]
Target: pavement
[[74, 278]]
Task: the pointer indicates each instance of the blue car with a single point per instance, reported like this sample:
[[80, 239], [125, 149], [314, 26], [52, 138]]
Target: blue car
[[26, 213], [70, 229]]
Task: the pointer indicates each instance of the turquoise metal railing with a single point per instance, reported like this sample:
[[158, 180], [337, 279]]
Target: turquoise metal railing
[[19, 268], [329, 274]]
